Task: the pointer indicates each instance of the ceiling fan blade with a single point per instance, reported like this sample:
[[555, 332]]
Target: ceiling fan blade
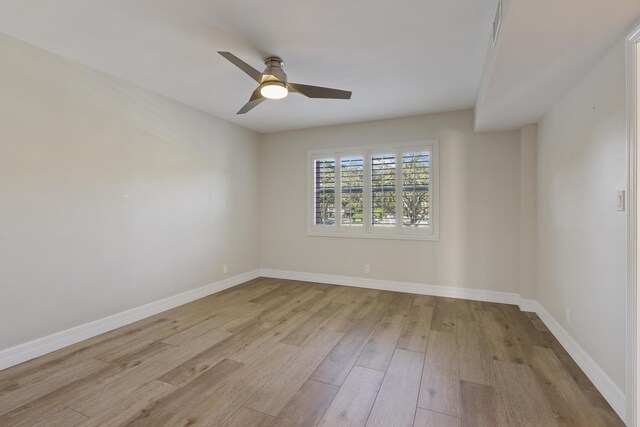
[[254, 101], [248, 69], [320, 92]]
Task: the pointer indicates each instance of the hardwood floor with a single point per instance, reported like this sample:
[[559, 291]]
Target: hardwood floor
[[285, 353]]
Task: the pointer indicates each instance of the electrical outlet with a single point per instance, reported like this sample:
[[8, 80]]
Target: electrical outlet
[[224, 269], [367, 269], [568, 315]]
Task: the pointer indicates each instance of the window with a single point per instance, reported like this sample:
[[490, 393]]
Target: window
[[351, 191], [325, 191], [383, 190], [380, 192]]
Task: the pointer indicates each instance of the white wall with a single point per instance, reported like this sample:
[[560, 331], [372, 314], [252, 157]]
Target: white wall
[[111, 196], [479, 206], [582, 240]]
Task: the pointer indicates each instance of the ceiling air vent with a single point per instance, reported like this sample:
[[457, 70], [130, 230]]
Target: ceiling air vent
[[497, 21]]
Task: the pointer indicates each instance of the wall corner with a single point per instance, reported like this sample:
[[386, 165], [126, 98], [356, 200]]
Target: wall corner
[[528, 210]]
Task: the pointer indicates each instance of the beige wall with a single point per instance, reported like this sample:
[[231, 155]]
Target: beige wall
[[479, 206], [528, 209], [582, 237], [111, 196]]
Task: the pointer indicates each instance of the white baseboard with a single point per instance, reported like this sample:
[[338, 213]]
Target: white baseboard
[[605, 385], [23, 352], [529, 305], [38, 347], [386, 285], [609, 390]]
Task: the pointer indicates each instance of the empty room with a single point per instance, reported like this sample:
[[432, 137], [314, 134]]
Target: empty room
[[306, 213]]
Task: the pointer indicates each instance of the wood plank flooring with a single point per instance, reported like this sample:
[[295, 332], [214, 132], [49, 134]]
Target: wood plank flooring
[[286, 353]]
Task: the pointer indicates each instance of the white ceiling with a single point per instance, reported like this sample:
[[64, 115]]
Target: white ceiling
[[399, 58], [544, 48]]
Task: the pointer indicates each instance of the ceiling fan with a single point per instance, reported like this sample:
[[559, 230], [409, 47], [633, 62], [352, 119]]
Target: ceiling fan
[[273, 83]]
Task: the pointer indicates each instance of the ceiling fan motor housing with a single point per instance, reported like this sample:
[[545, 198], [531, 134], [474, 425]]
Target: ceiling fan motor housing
[[274, 70]]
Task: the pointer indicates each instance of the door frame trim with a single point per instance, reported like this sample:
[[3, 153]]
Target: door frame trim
[[633, 98]]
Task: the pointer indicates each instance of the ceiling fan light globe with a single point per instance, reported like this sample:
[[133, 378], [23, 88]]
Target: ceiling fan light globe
[[274, 90]]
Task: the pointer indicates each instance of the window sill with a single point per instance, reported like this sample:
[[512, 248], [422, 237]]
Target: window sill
[[376, 236]]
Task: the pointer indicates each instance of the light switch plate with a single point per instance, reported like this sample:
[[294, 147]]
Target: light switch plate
[[621, 201]]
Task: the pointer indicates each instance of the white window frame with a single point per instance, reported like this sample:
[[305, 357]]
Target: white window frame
[[367, 230]]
